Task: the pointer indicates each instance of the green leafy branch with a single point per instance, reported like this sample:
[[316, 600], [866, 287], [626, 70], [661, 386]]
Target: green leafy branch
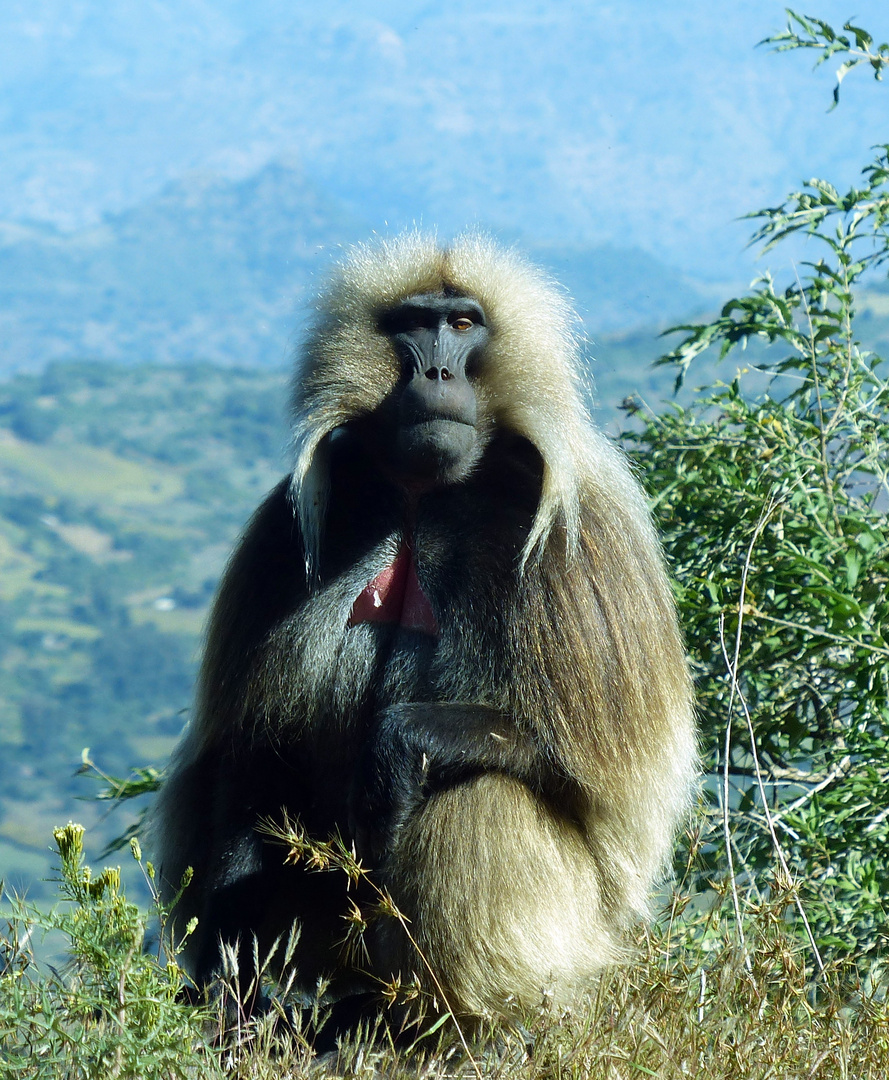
[[793, 451], [807, 32]]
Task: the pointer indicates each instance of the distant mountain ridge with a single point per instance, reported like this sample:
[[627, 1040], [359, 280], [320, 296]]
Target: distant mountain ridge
[[208, 269], [173, 176], [220, 270], [637, 124]]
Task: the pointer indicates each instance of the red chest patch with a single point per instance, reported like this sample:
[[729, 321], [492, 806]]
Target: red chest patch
[[395, 596]]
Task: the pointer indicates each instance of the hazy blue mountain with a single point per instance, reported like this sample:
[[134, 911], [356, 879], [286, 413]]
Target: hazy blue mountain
[[208, 269], [220, 270], [638, 124]]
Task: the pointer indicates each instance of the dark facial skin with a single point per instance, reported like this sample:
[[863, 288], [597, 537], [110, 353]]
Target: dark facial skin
[[433, 436]]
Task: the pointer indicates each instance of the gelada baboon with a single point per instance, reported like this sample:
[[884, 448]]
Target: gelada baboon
[[448, 637]]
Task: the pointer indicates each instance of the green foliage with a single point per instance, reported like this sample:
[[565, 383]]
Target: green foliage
[[118, 789], [771, 492], [114, 1010], [805, 32]]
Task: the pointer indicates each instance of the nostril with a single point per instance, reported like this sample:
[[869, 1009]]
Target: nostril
[[435, 373]]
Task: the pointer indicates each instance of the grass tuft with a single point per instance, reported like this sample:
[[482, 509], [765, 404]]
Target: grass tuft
[[692, 1002]]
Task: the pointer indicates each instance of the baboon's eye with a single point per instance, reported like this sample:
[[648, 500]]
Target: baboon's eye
[[463, 323]]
